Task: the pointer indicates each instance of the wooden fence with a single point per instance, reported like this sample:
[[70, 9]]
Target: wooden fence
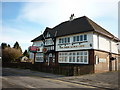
[[68, 70]]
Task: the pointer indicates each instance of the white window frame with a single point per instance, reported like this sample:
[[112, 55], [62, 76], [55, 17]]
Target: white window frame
[[62, 57], [49, 42], [64, 40], [76, 39], [39, 55], [38, 44]]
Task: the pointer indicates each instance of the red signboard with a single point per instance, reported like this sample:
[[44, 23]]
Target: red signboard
[[33, 48]]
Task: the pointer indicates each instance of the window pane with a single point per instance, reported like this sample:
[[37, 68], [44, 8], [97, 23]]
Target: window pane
[[62, 40], [65, 40], [85, 58], [81, 53], [74, 39], [65, 53], [85, 53], [65, 59], [81, 37], [78, 53], [68, 40], [62, 54], [73, 58], [85, 37], [77, 38], [74, 53], [70, 53], [70, 59], [81, 58], [78, 58]]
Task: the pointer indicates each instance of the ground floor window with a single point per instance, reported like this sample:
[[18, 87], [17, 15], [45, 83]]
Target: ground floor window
[[39, 57], [31, 55], [73, 57]]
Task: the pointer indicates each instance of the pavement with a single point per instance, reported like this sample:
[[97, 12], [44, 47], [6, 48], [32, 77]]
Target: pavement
[[108, 80]]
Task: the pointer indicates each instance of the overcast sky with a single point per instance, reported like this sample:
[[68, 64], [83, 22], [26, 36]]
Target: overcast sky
[[24, 20]]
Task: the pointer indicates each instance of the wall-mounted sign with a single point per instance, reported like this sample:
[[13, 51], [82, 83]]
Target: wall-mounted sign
[[72, 46], [33, 49], [44, 50], [102, 60]]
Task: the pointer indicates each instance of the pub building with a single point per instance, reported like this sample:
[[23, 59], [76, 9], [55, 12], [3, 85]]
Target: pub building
[[78, 41]]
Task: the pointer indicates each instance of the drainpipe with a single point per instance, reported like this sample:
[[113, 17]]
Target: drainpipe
[[110, 55]]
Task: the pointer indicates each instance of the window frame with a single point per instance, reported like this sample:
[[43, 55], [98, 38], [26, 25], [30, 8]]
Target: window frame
[[73, 55], [39, 56], [80, 38], [64, 40]]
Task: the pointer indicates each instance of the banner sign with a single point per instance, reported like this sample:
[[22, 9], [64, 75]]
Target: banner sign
[[33, 48]]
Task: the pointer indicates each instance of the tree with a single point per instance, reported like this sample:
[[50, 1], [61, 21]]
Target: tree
[[26, 53], [16, 46], [8, 45], [4, 45], [10, 54]]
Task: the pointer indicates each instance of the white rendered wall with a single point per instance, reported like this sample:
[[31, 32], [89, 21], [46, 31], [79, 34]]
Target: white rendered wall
[[84, 45], [95, 40], [103, 43], [38, 44], [114, 47]]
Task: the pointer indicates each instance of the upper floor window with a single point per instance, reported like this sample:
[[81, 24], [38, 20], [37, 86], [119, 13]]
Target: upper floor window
[[37, 43], [85, 37], [48, 34], [80, 38], [64, 40], [49, 42]]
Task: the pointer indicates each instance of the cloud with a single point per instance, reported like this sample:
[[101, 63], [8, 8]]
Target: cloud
[[13, 34], [49, 13], [52, 13]]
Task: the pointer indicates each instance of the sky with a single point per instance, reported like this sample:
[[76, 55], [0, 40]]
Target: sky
[[24, 20]]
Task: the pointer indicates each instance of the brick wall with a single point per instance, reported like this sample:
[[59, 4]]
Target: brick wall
[[101, 66]]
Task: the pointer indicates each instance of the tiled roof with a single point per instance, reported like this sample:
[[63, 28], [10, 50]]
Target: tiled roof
[[78, 25], [38, 38]]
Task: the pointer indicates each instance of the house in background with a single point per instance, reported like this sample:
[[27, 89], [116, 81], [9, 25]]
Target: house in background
[[78, 42]]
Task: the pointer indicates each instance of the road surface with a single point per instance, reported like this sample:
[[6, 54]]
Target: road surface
[[19, 78]]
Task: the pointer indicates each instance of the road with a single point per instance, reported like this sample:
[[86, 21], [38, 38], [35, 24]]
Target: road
[[26, 79]]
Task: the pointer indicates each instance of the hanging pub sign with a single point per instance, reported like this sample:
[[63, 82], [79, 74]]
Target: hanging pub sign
[[33, 48], [44, 50]]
